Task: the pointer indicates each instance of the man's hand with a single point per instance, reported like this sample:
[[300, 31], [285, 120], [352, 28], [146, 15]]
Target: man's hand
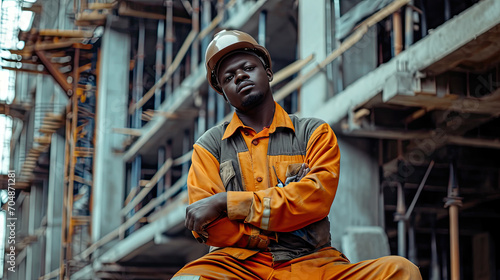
[[203, 212]]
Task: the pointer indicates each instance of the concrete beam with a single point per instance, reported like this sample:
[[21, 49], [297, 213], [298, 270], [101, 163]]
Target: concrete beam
[[443, 41], [108, 190], [54, 203], [315, 90]]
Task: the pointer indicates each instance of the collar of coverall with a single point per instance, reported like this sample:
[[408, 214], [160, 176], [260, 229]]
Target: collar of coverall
[[280, 119]]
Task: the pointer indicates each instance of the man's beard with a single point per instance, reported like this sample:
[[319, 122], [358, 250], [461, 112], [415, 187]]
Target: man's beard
[[252, 100]]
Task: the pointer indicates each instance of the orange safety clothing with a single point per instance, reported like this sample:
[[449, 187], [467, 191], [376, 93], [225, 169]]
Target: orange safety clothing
[[326, 264], [256, 209], [273, 232]]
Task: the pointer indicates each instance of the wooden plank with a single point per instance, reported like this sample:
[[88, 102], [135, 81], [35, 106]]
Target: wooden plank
[[102, 6], [127, 131], [25, 70], [291, 69], [60, 79], [66, 33], [125, 10]]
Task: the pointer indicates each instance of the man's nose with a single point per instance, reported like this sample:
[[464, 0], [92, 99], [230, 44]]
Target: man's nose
[[240, 75]]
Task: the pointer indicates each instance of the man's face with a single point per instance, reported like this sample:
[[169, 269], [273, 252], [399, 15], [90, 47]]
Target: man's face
[[244, 80]]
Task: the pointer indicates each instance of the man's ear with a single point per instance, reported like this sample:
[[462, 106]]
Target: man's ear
[[270, 74]]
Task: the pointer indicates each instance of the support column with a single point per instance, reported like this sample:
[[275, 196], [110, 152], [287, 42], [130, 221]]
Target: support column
[[314, 92], [453, 202], [112, 113], [33, 252], [356, 202], [54, 204]]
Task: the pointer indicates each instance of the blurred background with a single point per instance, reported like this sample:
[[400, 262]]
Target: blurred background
[[101, 102]]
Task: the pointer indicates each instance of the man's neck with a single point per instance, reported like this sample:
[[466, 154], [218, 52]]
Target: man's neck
[[259, 117]]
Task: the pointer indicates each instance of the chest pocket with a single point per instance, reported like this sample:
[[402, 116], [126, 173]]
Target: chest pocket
[[227, 173], [229, 177]]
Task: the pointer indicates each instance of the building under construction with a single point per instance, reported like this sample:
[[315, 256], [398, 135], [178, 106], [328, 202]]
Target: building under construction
[[109, 97]]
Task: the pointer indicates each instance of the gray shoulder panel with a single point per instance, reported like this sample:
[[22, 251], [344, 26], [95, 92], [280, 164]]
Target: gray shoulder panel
[[285, 142], [211, 140], [304, 127]]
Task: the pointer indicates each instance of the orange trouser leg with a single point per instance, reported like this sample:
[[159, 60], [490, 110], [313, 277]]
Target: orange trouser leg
[[324, 264], [219, 265]]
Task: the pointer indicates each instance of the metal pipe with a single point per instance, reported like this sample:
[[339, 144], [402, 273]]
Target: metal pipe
[[454, 243], [419, 190], [160, 185], [168, 174], [453, 202], [399, 217], [412, 248], [340, 80], [185, 148], [447, 10], [262, 28], [169, 44], [400, 206], [330, 27], [195, 48], [139, 89], [409, 25], [434, 273], [381, 214], [423, 20], [159, 61], [206, 18], [215, 103], [397, 33]]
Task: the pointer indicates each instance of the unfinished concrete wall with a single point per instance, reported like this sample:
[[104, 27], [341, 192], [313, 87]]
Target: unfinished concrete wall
[[55, 204], [313, 93], [109, 168], [357, 200]]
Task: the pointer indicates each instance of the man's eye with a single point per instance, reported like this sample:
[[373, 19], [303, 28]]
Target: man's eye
[[249, 68], [228, 78]]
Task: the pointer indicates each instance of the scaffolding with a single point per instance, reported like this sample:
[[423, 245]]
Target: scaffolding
[[78, 170]]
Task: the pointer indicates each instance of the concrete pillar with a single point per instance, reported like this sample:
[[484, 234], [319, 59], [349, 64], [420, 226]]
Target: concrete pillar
[[314, 92], [54, 203], [357, 199], [109, 168], [33, 253]]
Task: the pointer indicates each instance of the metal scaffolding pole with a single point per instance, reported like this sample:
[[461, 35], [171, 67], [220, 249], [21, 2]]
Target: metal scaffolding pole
[[159, 61], [262, 28], [453, 202], [169, 45], [397, 32], [195, 48], [409, 25]]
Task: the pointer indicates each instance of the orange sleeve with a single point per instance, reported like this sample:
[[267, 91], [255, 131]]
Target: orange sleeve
[[300, 203], [204, 181]]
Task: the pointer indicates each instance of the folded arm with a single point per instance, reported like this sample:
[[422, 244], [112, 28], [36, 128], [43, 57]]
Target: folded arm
[[299, 203], [207, 213]]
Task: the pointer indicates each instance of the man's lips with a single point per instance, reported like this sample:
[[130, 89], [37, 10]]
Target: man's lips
[[245, 87]]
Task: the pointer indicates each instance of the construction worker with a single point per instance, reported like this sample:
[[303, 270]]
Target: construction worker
[[261, 186]]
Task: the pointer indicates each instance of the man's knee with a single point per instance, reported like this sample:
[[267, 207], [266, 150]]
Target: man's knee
[[400, 268]]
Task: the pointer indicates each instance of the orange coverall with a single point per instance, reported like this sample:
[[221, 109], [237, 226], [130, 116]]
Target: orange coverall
[[262, 209]]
